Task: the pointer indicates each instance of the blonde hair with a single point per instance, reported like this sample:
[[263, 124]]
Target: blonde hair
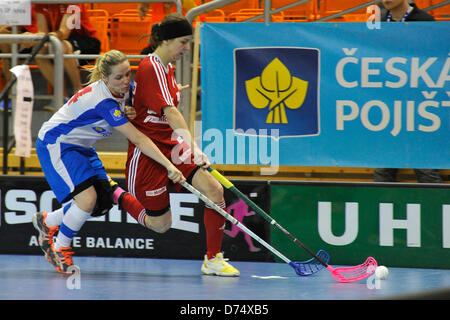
[[104, 65]]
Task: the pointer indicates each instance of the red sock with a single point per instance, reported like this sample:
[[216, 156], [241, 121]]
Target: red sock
[[133, 207], [214, 225]]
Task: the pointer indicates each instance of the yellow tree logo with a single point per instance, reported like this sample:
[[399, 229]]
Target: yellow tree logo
[[276, 89]]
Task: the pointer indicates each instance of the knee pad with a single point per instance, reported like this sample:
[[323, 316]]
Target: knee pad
[[157, 213], [104, 198]]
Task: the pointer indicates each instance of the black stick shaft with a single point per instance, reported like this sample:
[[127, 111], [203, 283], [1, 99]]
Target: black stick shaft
[[227, 184]]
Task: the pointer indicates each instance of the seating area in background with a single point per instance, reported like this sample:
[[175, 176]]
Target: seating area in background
[[127, 30], [120, 27]]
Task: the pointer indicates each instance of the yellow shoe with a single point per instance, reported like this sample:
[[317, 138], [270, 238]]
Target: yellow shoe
[[219, 266]]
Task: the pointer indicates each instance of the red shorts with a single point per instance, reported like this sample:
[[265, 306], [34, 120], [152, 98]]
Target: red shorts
[[147, 180]]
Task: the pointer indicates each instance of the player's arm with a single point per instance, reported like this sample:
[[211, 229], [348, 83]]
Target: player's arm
[[179, 125], [149, 149]]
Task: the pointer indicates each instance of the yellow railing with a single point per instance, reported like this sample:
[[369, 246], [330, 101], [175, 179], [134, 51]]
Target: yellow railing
[[115, 162]]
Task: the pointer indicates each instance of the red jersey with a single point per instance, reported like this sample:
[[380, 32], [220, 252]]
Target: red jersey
[[155, 88], [55, 12]]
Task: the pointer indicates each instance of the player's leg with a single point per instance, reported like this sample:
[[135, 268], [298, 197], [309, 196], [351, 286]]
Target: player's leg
[[47, 224], [60, 254], [214, 262], [70, 174], [157, 220], [148, 198], [92, 197], [214, 222]]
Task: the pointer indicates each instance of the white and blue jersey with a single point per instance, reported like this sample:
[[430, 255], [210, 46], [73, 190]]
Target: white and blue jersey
[[65, 142]]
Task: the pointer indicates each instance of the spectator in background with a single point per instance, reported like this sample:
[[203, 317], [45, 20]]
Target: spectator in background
[[71, 25], [6, 47], [160, 10], [400, 11]]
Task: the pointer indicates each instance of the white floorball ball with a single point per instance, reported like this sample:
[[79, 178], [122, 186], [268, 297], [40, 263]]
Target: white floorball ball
[[381, 272]]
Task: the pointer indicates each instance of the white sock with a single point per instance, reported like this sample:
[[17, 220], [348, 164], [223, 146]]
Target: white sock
[[72, 222], [55, 218]]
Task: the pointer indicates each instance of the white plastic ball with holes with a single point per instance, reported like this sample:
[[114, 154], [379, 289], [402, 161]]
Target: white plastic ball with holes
[[382, 272]]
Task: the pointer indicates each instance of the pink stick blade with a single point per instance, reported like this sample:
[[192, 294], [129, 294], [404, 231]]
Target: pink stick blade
[[356, 273]]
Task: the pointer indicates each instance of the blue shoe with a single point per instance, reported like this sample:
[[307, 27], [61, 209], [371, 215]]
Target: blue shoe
[[2, 104]]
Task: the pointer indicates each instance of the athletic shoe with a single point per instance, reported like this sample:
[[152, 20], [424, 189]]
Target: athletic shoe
[[61, 258], [2, 104], [219, 266], [46, 233]]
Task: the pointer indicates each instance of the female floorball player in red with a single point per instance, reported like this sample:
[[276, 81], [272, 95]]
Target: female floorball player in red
[[155, 99]]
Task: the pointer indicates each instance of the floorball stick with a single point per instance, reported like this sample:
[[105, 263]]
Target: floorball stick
[[299, 267], [343, 274], [227, 184]]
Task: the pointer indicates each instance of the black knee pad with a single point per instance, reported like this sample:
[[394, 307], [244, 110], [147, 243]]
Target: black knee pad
[[156, 213], [104, 198]]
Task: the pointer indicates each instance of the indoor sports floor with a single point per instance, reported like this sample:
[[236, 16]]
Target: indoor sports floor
[[31, 277]]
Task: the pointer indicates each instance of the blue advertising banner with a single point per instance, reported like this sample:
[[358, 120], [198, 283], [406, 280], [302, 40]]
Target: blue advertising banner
[[326, 94]]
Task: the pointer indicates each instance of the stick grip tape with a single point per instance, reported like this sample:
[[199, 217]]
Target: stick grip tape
[[224, 181]]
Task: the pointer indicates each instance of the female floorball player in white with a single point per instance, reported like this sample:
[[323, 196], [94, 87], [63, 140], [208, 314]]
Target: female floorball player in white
[[70, 163]]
